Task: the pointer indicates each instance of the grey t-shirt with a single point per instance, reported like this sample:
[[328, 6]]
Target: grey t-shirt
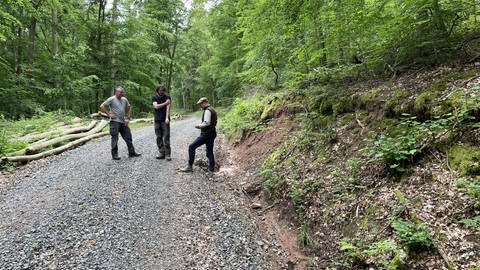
[[117, 107]]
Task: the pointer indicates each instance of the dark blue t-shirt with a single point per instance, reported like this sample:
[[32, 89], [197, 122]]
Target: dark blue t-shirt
[[159, 114]]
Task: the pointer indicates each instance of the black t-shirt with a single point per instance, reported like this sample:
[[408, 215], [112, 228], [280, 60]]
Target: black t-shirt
[[160, 114]]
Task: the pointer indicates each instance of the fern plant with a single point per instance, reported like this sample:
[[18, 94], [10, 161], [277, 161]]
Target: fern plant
[[413, 235]]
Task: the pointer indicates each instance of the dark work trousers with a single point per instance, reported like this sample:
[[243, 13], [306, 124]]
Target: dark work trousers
[[208, 139], [124, 130], [162, 131]]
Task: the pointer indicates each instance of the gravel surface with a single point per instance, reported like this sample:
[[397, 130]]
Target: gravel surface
[[83, 210]]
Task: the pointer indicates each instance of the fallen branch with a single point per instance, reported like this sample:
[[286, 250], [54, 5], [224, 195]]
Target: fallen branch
[[359, 123], [437, 246], [99, 114], [54, 151], [268, 208], [444, 256]]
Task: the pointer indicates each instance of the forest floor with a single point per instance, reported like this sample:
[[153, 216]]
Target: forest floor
[[83, 210], [321, 185]]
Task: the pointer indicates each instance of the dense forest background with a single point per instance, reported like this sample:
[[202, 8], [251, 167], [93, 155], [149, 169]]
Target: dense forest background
[[357, 120], [70, 54]]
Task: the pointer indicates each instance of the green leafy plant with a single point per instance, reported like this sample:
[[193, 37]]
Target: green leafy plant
[[305, 239], [398, 148], [297, 194], [413, 235], [386, 254], [401, 206], [270, 178], [470, 187], [3, 142], [8, 144], [243, 116], [349, 248], [471, 222]]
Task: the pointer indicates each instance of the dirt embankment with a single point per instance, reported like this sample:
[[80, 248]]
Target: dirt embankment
[[351, 205]]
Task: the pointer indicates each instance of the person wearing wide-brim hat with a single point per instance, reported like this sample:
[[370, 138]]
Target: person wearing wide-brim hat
[[208, 133]]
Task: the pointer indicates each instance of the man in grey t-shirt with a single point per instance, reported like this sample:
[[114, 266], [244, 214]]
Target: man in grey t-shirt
[[117, 105]]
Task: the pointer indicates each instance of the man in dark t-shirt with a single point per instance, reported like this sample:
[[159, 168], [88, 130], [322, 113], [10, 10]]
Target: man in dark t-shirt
[[161, 106]]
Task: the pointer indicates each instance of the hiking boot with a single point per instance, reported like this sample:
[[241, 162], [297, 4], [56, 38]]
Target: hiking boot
[[134, 154], [168, 158], [116, 158], [160, 157], [187, 168]]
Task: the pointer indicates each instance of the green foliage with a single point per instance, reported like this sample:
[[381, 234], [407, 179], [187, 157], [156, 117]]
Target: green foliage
[[244, 116], [271, 167], [393, 105], [470, 187], [280, 170], [398, 149], [11, 130], [465, 159], [304, 238], [8, 144], [297, 194], [271, 178], [368, 99], [401, 206], [221, 52], [413, 235], [386, 254], [473, 223]]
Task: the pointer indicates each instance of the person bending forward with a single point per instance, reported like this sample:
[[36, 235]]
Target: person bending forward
[[208, 133]]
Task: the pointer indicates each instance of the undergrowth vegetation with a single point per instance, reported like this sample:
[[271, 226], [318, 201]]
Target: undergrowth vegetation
[[362, 145], [243, 117]]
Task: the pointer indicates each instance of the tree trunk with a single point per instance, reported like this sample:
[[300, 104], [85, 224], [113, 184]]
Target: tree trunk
[[113, 68], [56, 82], [172, 59], [19, 48], [31, 39], [275, 72]]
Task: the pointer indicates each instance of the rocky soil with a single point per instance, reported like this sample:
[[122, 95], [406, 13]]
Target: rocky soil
[[83, 210]]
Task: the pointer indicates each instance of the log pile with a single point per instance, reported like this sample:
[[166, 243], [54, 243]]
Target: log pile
[[67, 137]]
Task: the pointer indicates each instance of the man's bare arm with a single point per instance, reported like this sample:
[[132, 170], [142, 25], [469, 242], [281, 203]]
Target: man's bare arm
[[104, 109], [167, 117], [161, 105]]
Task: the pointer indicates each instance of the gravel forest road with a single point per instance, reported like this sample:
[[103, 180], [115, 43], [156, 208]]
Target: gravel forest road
[[83, 210]]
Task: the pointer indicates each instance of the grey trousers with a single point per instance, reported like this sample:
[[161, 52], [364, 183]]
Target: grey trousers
[[124, 130], [162, 131]]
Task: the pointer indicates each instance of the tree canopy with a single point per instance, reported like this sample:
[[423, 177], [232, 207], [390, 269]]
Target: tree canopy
[[70, 54]]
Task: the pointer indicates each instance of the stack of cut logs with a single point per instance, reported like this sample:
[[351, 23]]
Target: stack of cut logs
[[61, 138]]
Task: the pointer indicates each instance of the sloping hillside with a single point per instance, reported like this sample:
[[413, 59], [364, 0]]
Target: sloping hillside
[[378, 174]]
